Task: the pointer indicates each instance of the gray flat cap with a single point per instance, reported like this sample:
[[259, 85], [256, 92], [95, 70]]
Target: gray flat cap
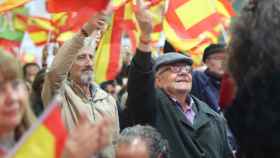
[[171, 58]]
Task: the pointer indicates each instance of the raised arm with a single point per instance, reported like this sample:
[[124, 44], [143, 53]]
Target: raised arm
[[141, 89], [66, 56]]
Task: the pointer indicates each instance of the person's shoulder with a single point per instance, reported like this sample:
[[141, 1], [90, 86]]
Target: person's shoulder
[[198, 73], [199, 76]]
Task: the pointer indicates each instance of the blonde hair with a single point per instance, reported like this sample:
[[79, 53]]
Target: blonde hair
[[10, 69]]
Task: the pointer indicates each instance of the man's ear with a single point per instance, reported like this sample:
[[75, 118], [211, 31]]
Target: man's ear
[[157, 81]]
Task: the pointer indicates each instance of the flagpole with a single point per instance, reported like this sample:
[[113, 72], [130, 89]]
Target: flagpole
[[223, 30]]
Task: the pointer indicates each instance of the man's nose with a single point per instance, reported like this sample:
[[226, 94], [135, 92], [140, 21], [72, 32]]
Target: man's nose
[[89, 60]]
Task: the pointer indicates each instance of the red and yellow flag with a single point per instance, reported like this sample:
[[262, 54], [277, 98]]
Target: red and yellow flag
[[6, 5], [55, 6], [38, 36], [107, 60], [45, 139], [190, 22], [9, 44], [20, 22], [196, 53], [156, 9]]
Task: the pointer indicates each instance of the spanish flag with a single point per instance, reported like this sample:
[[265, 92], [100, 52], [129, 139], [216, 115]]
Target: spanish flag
[[55, 6], [9, 45], [38, 36], [107, 59], [20, 22], [45, 139], [6, 5]]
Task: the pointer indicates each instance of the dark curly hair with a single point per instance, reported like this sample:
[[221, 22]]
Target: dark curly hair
[[254, 62], [254, 47]]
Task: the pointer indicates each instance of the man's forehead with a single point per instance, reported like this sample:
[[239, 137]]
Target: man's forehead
[[86, 51], [220, 53], [176, 64]]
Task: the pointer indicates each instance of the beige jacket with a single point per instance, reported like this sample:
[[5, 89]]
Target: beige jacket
[[74, 102]]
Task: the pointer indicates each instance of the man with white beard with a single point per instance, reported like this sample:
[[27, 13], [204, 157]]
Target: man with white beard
[[71, 75]]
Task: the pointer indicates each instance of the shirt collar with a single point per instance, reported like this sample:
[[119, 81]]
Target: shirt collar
[[191, 103], [79, 92]]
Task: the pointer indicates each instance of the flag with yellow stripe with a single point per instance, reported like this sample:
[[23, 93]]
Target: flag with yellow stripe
[[38, 36], [107, 59], [20, 22], [45, 139], [204, 17], [6, 5], [197, 52]]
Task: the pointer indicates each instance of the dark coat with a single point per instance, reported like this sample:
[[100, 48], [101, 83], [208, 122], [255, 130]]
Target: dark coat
[[206, 138], [206, 88]]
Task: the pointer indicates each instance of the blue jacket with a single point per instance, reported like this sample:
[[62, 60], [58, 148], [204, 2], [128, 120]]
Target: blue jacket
[[206, 88]]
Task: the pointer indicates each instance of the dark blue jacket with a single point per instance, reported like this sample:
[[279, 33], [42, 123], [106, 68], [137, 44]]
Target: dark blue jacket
[[206, 88]]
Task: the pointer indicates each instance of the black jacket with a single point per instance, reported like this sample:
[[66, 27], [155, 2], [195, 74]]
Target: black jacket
[[206, 138]]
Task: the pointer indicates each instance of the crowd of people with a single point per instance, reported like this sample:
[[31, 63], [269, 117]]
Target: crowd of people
[[157, 107]]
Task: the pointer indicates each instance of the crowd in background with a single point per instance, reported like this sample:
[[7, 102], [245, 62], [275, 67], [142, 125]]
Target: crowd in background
[[156, 108]]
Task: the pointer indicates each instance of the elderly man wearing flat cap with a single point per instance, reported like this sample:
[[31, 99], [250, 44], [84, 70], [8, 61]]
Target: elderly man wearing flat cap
[[158, 95], [207, 83]]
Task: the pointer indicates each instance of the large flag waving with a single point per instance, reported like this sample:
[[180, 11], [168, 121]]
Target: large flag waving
[[6, 5], [185, 31], [107, 60], [55, 6], [45, 139]]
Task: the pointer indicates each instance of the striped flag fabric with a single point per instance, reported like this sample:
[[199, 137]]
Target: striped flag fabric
[[38, 36], [6, 5], [55, 6], [9, 45], [196, 53], [186, 31], [107, 59], [45, 139]]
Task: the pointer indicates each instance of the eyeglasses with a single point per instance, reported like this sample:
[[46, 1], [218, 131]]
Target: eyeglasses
[[176, 69]]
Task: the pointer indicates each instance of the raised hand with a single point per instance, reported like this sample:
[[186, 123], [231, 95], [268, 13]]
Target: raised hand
[[97, 22], [144, 18], [87, 139]]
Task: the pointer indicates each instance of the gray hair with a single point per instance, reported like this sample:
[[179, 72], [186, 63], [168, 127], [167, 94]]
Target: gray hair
[[89, 44], [155, 142]]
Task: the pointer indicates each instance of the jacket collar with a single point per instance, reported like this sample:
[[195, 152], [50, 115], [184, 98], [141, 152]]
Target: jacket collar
[[97, 93], [204, 115]]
